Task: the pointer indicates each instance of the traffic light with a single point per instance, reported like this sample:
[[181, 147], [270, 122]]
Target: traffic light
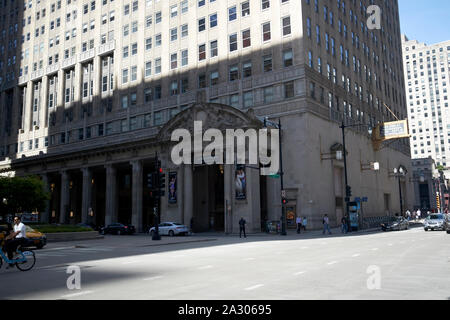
[[150, 181], [162, 181], [284, 200], [438, 202], [348, 190]]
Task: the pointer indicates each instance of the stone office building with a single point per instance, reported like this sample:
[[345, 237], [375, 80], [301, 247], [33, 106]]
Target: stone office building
[[91, 91]]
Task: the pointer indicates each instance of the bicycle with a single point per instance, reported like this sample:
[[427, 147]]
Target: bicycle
[[25, 260]]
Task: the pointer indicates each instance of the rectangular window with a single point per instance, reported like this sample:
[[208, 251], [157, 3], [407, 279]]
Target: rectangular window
[[267, 63], [266, 31], [233, 73], [245, 8], [201, 24], [184, 30], [246, 41], [232, 14], [124, 76], [158, 66], [173, 61], [265, 4], [286, 26], [201, 52], [287, 58], [233, 42], [247, 69], [213, 20], [184, 58], [213, 48]]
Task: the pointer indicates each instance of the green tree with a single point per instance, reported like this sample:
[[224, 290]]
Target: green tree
[[440, 168], [22, 194]]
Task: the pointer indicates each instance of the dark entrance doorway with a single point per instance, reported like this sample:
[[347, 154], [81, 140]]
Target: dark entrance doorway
[[209, 199]]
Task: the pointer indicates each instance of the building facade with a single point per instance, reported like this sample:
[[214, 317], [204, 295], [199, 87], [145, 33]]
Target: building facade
[[91, 90], [427, 73]]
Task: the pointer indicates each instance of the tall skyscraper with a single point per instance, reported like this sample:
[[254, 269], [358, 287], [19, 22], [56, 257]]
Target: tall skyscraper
[[92, 89], [427, 73]]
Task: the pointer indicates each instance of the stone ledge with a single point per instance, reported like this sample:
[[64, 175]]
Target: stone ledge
[[72, 236]]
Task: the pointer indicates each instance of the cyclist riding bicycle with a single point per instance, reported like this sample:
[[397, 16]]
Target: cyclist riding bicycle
[[15, 239]]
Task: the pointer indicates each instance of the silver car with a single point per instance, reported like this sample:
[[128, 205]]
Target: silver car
[[170, 229], [434, 222]]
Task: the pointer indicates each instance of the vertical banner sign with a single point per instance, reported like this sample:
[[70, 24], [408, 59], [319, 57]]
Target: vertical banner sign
[[172, 187], [241, 183]]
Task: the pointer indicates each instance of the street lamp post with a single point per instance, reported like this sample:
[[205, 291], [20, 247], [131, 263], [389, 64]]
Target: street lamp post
[[348, 193], [283, 211], [400, 172]]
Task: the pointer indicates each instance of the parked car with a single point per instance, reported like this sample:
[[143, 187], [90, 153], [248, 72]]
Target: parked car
[[170, 229], [397, 224], [434, 222], [447, 223], [118, 228], [34, 238]]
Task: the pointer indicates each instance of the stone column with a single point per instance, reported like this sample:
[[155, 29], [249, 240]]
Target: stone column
[[28, 110], [43, 112], [111, 195], [59, 100], [45, 215], [228, 197], [180, 186], [137, 195], [65, 198], [188, 195], [86, 195]]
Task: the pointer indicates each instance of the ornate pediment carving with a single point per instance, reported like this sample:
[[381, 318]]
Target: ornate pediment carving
[[212, 115]]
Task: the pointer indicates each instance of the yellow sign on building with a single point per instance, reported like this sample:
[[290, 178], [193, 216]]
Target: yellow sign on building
[[391, 130]]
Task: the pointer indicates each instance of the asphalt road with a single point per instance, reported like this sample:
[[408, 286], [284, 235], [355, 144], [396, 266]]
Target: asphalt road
[[410, 265]]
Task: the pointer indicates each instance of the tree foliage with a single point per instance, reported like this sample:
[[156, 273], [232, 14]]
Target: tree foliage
[[22, 194]]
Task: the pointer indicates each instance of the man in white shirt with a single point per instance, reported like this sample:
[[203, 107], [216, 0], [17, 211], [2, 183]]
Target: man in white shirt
[[16, 238]]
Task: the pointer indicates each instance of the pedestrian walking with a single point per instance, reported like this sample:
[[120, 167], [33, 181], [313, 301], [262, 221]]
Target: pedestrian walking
[[299, 224], [305, 223], [326, 224], [344, 224], [408, 215], [242, 223]]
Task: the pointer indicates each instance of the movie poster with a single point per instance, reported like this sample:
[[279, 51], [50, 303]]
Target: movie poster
[[241, 183], [172, 187]]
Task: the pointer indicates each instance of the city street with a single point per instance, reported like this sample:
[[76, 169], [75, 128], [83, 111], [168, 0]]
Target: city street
[[411, 264]]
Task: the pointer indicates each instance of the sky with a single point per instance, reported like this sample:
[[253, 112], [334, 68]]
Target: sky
[[425, 20]]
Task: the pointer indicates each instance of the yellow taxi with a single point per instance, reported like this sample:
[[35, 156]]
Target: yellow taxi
[[34, 237]]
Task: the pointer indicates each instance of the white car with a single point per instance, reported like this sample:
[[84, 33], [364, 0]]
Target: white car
[[434, 222], [170, 229]]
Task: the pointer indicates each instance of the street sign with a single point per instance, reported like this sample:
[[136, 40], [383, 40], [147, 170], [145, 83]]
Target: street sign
[[391, 130], [275, 176]]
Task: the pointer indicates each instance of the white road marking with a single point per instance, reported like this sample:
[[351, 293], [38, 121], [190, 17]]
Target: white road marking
[[304, 248], [254, 287], [331, 263], [299, 273], [249, 259], [77, 294], [390, 244], [375, 249], [153, 278], [355, 255], [205, 267]]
